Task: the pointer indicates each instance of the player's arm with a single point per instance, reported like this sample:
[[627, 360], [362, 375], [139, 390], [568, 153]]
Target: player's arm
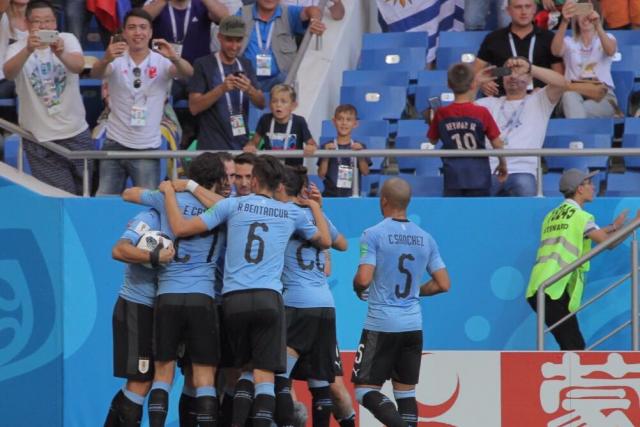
[[438, 284], [125, 251], [134, 194], [363, 277], [181, 226], [207, 197], [322, 238], [340, 243]]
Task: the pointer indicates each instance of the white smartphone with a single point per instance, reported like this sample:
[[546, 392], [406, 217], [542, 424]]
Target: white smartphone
[[47, 36]]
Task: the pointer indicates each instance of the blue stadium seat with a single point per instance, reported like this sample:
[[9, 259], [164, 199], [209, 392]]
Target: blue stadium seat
[[255, 113], [412, 128], [631, 139], [395, 39], [421, 186], [421, 166], [369, 184], [591, 133], [623, 184], [410, 142], [551, 183], [627, 59], [423, 93], [449, 55], [462, 38], [410, 59], [375, 77], [375, 102], [432, 78], [11, 153], [623, 82], [371, 142], [626, 37], [365, 128]]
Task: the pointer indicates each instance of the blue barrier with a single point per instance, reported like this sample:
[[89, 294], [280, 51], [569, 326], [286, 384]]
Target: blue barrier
[[58, 285]]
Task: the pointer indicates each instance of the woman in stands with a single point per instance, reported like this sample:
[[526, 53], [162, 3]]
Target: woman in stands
[[587, 56], [13, 27]]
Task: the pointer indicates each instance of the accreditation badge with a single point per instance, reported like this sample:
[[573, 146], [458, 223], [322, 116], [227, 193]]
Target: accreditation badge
[[345, 176], [237, 125], [138, 116], [263, 64]]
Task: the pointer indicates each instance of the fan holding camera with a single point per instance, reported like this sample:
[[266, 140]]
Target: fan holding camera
[[138, 79], [587, 55]]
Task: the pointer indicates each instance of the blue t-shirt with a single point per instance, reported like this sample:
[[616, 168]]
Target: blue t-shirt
[[401, 252], [303, 278], [198, 38], [252, 50], [258, 230], [140, 282], [192, 269]]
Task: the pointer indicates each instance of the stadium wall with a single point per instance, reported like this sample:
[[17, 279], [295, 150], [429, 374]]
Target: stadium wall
[[58, 284]]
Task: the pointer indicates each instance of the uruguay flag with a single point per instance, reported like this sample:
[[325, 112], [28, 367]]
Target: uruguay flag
[[431, 16]]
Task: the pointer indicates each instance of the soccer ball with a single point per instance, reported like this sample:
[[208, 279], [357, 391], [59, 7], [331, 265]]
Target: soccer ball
[[150, 240]]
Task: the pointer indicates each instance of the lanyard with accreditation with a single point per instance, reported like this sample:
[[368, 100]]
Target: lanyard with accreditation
[[264, 59], [345, 172], [238, 127], [515, 53], [177, 44]]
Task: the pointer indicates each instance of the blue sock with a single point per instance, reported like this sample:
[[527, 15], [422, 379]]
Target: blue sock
[[161, 385], [317, 383], [291, 363], [265, 388], [246, 375], [134, 397], [361, 391], [397, 394], [188, 390], [206, 391]]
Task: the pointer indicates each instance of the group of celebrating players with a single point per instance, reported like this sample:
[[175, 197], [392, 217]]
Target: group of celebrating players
[[240, 300]]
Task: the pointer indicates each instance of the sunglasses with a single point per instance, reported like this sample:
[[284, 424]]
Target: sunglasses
[[137, 82]]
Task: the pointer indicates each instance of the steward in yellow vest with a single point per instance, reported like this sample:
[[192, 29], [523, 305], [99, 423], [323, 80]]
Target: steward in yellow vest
[[567, 233]]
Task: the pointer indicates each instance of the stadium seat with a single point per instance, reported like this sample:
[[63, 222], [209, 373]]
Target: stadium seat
[[578, 133], [421, 166], [412, 128], [11, 144], [623, 82], [410, 59], [375, 77], [369, 185], [255, 113], [631, 139], [623, 184], [372, 143], [432, 78], [627, 59], [626, 37], [421, 186], [462, 38], [424, 93], [449, 55], [365, 128], [376, 102], [395, 40], [551, 184]]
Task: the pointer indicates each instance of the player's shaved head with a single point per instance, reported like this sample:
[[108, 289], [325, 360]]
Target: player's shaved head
[[397, 193]]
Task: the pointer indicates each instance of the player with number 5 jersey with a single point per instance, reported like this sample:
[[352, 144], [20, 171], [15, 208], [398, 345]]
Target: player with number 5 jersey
[[394, 255]]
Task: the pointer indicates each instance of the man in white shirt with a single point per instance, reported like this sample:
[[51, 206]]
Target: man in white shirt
[[45, 67], [523, 120], [138, 81]]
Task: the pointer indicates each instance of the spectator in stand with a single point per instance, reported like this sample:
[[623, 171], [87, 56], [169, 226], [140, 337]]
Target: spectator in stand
[[269, 42], [587, 56], [336, 8], [523, 120], [186, 25], [138, 80], [475, 14], [621, 14], [338, 171], [220, 91], [521, 38], [281, 129], [464, 126], [50, 104], [232, 6]]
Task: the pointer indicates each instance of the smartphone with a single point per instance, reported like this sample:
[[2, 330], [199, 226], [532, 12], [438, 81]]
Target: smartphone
[[501, 72], [238, 73], [583, 9], [47, 36], [434, 102], [118, 37]]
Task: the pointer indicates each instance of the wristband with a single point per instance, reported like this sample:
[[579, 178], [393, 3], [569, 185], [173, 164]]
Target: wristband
[[191, 186], [154, 256], [613, 226]]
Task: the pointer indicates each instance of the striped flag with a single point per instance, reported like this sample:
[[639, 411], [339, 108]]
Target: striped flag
[[431, 16]]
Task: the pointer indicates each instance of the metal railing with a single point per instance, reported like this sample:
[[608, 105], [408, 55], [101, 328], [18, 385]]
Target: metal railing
[[612, 240]]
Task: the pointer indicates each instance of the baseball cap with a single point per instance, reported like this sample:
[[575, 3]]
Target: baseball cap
[[232, 26], [572, 178]]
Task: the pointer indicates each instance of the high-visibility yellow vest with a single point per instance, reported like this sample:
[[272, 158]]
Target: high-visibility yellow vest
[[562, 242]]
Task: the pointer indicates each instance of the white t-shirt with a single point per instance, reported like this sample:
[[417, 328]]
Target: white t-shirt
[[587, 62], [32, 112], [6, 34], [155, 80], [523, 125]]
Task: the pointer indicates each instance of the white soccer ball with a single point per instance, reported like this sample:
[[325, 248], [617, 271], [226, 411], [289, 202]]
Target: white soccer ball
[[150, 240]]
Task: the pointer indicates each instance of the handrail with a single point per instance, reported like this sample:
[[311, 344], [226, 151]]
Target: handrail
[[302, 49], [606, 244]]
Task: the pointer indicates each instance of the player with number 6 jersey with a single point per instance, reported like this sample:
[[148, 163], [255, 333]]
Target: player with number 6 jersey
[[394, 255]]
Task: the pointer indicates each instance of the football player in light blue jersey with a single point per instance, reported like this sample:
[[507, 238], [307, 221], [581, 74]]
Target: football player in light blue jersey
[[309, 312], [133, 320], [185, 311], [258, 230], [394, 254]]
